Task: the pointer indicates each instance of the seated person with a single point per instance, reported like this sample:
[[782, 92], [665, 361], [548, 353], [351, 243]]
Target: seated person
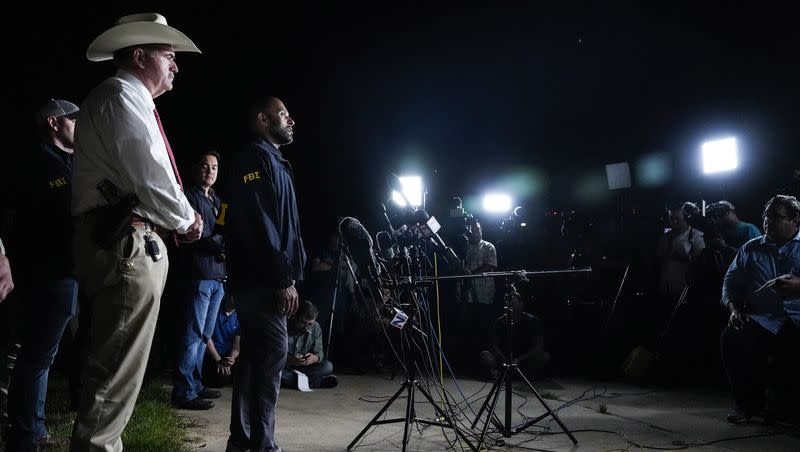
[[305, 350], [223, 347], [759, 345], [528, 341]]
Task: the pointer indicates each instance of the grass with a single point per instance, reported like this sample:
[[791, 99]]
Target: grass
[[154, 425]]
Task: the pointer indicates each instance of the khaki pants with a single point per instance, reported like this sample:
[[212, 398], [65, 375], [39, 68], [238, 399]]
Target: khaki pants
[[124, 287]]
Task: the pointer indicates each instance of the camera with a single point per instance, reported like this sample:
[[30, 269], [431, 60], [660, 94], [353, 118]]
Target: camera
[[709, 223]]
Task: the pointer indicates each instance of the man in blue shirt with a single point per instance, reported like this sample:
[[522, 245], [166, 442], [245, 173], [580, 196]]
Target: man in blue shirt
[[223, 347], [764, 311]]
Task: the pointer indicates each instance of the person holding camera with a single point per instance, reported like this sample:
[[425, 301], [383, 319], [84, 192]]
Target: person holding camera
[[676, 248], [735, 232], [762, 292]]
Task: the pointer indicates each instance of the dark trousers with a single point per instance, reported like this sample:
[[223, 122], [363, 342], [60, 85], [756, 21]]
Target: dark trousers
[[314, 372], [257, 382], [759, 365], [48, 309]]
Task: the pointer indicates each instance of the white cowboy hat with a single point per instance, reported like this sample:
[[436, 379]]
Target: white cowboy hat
[[135, 29]]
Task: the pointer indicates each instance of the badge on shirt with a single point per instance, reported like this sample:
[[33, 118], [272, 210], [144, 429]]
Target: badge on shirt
[[127, 265], [223, 209]]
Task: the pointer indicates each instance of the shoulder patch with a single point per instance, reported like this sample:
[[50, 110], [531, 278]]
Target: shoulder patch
[[57, 183], [251, 176]]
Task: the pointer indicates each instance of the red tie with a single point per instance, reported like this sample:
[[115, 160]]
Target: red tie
[[169, 150]]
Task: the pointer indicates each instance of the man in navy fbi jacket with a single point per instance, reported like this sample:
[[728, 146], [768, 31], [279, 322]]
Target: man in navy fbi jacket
[[45, 272], [266, 257]]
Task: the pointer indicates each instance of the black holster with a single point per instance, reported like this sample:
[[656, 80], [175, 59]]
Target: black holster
[[112, 223]]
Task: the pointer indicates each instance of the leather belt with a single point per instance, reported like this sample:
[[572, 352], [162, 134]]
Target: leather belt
[[144, 223]]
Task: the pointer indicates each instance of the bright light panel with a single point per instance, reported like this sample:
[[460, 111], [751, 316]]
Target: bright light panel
[[720, 155], [412, 188], [496, 203]]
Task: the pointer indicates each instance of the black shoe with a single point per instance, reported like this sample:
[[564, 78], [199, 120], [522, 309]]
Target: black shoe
[[50, 442], [209, 394], [329, 381], [194, 404]]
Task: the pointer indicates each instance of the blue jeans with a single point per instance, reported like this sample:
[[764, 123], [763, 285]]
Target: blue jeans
[[46, 313], [257, 381], [200, 317]]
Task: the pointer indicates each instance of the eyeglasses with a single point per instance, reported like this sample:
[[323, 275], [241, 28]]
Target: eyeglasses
[[774, 217]]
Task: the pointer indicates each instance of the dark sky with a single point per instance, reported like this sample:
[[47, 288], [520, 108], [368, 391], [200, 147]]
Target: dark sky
[[469, 97]]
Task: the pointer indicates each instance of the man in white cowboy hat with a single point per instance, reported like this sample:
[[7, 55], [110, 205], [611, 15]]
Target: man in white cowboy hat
[[123, 153]]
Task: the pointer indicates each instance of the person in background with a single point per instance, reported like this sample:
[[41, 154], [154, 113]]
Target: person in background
[[224, 347], [762, 292], [734, 231], [47, 278], [304, 353], [6, 281], [201, 277], [528, 342]]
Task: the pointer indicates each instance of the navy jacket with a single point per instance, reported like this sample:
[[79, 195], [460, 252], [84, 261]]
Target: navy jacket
[[200, 259], [262, 222], [43, 223]]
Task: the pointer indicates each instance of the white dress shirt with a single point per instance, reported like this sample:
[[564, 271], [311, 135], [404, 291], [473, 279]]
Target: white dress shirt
[[117, 138]]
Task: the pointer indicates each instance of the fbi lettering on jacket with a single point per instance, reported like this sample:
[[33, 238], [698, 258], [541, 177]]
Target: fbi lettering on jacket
[[249, 177]]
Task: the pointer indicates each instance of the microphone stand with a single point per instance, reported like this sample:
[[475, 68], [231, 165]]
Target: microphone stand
[[337, 271], [510, 368], [412, 384]]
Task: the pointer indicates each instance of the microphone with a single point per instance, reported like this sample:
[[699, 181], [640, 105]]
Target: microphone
[[389, 226], [359, 244], [386, 242], [428, 227]]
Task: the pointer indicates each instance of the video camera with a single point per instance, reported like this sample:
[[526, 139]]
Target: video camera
[[708, 223]]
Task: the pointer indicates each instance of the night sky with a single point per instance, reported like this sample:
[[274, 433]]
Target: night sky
[[527, 99]]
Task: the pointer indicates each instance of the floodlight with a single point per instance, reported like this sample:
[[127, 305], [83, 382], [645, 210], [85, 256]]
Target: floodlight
[[412, 189], [720, 155], [496, 203]]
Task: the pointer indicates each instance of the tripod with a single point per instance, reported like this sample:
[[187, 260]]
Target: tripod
[[340, 255], [511, 368], [410, 386]]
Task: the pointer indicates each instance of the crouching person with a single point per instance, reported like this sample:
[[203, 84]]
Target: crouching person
[[305, 351]]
